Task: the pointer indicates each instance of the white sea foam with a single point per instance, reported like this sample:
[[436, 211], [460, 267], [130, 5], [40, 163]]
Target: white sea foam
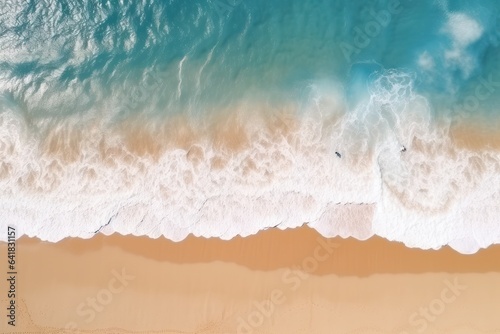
[[431, 195], [464, 31]]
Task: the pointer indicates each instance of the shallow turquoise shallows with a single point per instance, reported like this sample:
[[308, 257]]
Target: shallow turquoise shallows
[[59, 58]]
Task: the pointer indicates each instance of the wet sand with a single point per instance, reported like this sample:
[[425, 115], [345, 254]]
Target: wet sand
[[291, 281], [477, 135]]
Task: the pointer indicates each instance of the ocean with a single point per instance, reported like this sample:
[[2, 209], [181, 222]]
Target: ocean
[[225, 117]]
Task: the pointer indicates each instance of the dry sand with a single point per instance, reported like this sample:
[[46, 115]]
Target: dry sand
[[292, 281]]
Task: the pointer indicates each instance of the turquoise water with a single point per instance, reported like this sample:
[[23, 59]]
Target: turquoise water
[[61, 57], [225, 117]]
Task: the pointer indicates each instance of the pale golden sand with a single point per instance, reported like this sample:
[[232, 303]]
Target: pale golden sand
[[477, 135], [257, 284]]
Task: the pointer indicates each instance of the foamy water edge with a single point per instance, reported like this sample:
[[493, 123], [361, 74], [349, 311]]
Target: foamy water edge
[[385, 168]]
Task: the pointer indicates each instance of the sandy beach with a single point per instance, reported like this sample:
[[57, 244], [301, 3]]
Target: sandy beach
[[291, 281], [476, 135], [250, 167]]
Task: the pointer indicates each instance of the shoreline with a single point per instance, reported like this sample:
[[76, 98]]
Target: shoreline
[[240, 174], [213, 286], [418, 260]]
